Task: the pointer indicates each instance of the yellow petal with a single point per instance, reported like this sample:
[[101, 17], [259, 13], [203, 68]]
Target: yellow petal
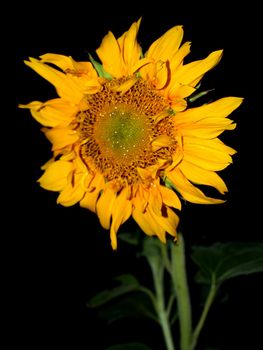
[[192, 73], [68, 65], [145, 174], [177, 59], [155, 200], [49, 162], [83, 68], [170, 198], [89, 201], [110, 55], [158, 117], [52, 113], [167, 45], [121, 211], [142, 221], [207, 128], [218, 109], [121, 57], [139, 64], [129, 46], [61, 61], [68, 156], [61, 137], [162, 52], [189, 191], [176, 158], [31, 105], [148, 224], [55, 178], [208, 154], [205, 163], [162, 141], [178, 104], [124, 87], [168, 221], [178, 90], [72, 194], [66, 87], [157, 225], [202, 176], [185, 77], [141, 198], [86, 86], [104, 206], [161, 74]]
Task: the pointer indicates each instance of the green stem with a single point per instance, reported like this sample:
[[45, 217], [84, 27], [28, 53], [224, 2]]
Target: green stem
[[209, 300], [160, 306], [179, 279]]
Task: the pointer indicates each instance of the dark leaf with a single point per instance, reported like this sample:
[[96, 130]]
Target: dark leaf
[[154, 251], [224, 261], [128, 279], [129, 346], [131, 238], [136, 305], [128, 284]]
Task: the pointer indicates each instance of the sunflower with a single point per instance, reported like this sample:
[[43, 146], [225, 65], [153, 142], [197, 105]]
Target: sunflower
[[125, 141]]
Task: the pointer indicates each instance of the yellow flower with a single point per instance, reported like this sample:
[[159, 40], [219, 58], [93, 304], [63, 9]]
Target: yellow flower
[[124, 139]]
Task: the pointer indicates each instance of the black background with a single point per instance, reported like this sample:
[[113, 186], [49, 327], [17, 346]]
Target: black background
[[60, 257]]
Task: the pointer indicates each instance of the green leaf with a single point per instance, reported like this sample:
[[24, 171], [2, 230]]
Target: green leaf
[[99, 68], [136, 306], [129, 346], [128, 279], [128, 299], [131, 238], [196, 96], [128, 284], [154, 250], [223, 261]]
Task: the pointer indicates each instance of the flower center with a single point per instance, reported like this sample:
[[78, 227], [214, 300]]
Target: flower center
[[117, 127], [122, 132]]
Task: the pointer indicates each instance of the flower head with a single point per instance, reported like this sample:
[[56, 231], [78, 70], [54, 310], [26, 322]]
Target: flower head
[[125, 141]]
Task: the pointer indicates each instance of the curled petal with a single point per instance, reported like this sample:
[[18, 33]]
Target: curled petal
[[121, 212], [52, 113], [202, 176], [188, 191], [55, 177], [104, 206], [61, 137], [66, 87], [89, 201]]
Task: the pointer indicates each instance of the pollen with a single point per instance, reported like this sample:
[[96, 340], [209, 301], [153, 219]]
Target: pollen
[[118, 127]]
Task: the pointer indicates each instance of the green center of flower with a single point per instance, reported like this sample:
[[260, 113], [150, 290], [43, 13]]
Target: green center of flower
[[122, 132], [117, 128]]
